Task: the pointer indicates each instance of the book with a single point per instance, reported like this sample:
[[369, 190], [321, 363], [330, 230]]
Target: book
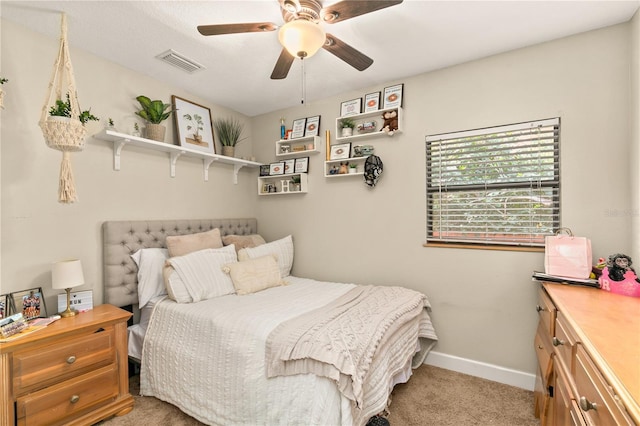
[[588, 282]]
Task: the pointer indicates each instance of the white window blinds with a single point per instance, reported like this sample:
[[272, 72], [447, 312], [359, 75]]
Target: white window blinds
[[497, 185]]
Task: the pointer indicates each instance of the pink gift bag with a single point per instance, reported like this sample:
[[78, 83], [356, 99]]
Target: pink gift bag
[[567, 255]]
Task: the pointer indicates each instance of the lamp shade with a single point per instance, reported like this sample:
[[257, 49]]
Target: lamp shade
[[67, 274], [301, 38]]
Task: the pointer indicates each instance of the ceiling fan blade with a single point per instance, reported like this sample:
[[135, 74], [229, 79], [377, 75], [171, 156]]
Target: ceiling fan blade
[[252, 27], [283, 65], [350, 55], [348, 9]]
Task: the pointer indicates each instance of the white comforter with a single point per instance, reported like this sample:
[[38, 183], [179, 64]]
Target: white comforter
[[208, 358]]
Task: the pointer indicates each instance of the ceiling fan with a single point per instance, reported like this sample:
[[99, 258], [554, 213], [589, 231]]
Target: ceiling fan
[[302, 35]]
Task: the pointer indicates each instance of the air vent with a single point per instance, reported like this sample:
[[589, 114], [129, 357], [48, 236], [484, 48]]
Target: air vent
[[177, 60]]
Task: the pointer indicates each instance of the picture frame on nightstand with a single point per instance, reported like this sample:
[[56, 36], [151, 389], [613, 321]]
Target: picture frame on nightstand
[[29, 302], [4, 306]]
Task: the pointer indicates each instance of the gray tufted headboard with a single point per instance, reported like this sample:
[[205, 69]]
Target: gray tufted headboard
[[123, 238]]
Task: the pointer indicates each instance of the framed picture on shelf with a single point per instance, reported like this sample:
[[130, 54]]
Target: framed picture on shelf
[[302, 165], [340, 151], [265, 169], [313, 126], [4, 306], [289, 166], [298, 128], [372, 102], [287, 134], [392, 97], [276, 168], [29, 302], [351, 107], [193, 125]]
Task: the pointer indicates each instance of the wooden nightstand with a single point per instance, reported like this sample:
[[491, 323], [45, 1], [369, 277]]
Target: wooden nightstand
[[73, 372]]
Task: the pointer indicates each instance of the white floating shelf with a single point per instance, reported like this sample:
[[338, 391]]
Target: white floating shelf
[[120, 140]]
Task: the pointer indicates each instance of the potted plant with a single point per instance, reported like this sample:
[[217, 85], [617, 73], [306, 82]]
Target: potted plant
[[63, 109], [2, 81], [347, 125], [197, 124], [229, 131], [154, 113], [353, 168]]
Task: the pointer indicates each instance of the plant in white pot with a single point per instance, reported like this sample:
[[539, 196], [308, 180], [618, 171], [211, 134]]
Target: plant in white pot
[[347, 125], [229, 131], [154, 113]]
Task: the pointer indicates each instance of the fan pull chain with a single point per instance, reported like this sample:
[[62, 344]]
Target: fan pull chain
[[304, 87]]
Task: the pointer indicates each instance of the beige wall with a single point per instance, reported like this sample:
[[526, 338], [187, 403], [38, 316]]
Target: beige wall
[[634, 121], [344, 231], [36, 229], [483, 301]]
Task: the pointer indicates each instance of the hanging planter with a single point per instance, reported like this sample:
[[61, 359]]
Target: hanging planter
[[63, 129]]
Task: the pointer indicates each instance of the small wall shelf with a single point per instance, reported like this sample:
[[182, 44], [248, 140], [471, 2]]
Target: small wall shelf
[[282, 184], [375, 116], [298, 146], [330, 164], [121, 139]]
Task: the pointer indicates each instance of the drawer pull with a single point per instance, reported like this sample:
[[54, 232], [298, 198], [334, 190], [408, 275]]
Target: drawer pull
[[71, 359], [74, 399], [557, 342], [586, 405], [539, 308]]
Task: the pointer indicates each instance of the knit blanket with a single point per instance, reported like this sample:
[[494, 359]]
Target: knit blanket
[[343, 339]]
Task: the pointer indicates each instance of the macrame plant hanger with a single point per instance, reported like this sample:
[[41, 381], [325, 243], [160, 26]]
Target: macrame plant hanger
[[66, 134]]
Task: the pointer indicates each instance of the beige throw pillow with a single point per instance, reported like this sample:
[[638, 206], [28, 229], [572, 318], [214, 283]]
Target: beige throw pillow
[[255, 275], [179, 245], [243, 241]]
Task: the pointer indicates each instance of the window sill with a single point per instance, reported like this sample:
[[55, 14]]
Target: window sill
[[485, 247]]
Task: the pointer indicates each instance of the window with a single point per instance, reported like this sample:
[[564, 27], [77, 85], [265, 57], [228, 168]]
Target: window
[[494, 186]]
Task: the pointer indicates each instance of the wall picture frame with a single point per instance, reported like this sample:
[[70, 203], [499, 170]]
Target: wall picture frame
[[264, 169], [289, 165], [29, 302], [351, 107], [193, 124], [276, 168], [298, 128], [312, 127], [372, 102], [392, 96], [340, 151], [5, 304], [302, 165]]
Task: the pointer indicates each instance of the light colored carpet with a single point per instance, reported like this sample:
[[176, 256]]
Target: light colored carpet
[[433, 396]]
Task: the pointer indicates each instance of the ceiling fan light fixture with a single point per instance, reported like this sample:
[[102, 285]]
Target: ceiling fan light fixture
[[301, 38]]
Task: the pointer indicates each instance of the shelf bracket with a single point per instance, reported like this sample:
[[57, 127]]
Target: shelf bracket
[[236, 169], [174, 159], [117, 149], [206, 162]]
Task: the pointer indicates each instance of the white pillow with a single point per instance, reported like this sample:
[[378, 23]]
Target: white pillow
[[254, 275], [198, 275], [282, 249], [150, 283]]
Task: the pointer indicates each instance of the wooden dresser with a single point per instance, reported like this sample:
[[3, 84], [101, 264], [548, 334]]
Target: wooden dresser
[[588, 350], [73, 372]]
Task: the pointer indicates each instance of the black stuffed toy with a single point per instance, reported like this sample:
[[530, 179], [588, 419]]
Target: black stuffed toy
[[618, 265]]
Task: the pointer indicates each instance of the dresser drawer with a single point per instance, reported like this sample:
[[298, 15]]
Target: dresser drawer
[[565, 343], [46, 365], [596, 399], [61, 403], [544, 350], [547, 311]]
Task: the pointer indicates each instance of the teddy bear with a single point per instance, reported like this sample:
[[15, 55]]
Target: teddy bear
[[390, 124]]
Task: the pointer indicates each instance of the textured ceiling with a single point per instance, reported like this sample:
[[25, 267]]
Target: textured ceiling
[[411, 38]]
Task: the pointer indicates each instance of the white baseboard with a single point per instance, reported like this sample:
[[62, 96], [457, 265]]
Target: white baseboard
[[480, 369]]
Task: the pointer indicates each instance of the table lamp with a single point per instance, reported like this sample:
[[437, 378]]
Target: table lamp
[[65, 275]]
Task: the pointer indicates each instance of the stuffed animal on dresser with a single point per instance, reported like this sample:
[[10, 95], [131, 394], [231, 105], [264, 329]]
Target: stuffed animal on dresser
[[390, 124]]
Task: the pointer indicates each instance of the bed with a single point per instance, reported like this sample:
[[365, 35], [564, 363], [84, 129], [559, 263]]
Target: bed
[[271, 349]]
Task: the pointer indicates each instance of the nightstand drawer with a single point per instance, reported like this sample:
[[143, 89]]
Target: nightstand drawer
[[60, 403], [43, 366]]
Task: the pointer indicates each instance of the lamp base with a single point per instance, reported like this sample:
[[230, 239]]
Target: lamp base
[[68, 312]]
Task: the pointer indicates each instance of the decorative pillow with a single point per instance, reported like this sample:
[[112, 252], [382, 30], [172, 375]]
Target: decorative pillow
[[179, 245], [283, 249], [150, 282], [255, 275], [243, 241], [198, 275]]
